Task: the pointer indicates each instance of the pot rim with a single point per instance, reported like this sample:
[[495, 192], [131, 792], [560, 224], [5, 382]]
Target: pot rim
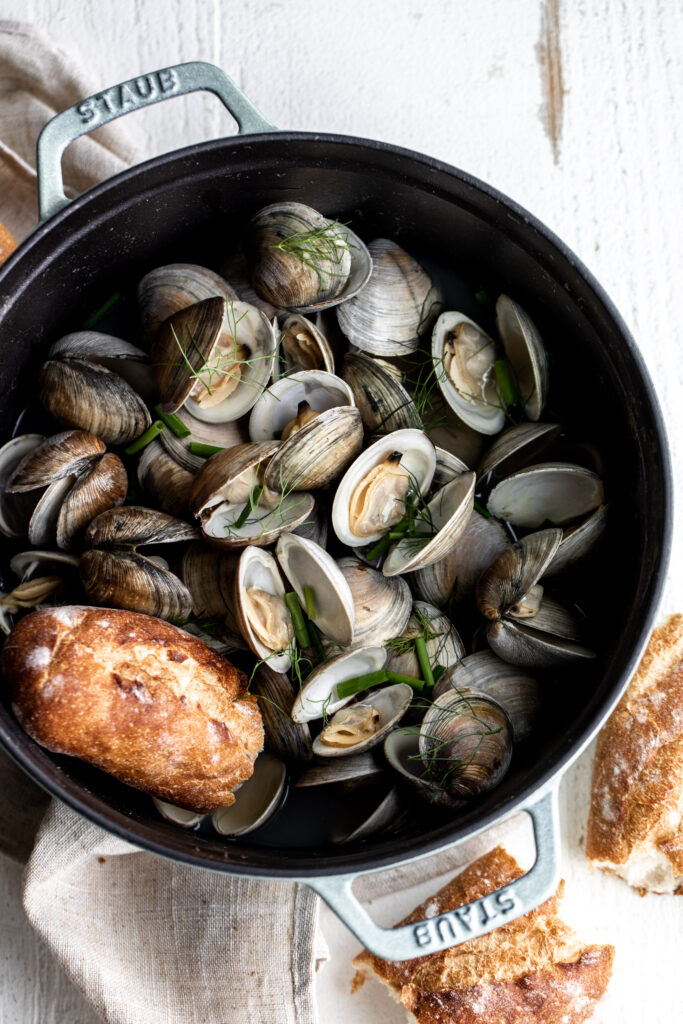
[[394, 851]]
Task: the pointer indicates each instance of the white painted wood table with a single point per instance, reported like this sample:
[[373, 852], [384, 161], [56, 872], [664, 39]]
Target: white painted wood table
[[570, 107]]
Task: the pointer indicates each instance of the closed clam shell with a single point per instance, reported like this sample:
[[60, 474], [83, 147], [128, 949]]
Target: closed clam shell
[[65, 454], [83, 394], [256, 799], [465, 743], [125, 579], [301, 260], [577, 542], [168, 289], [102, 486], [517, 447], [307, 565], [396, 307], [443, 642], [209, 576], [518, 692], [382, 400], [317, 697], [514, 571], [453, 578], [133, 525], [520, 644], [126, 360], [390, 703], [16, 509], [258, 569], [555, 492], [166, 481], [481, 409], [525, 352], [382, 606], [286, 738], [449, 513]]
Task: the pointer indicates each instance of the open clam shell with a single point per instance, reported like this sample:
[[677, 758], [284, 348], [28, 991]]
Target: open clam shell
[[417, 459], [390, 703], [303, 261], [520, 644], [443, 642], [465, 743], [16, 509], [303, 346], [525, 353], [42, 527], [102, 486], [306, 564], [449, 512], [177, 815], [518, 692], [398, 304], [555, 492], [284, 737], [25, 564], [68, 453], [387, 813], [401, 750], [517, 447], [166, 481], [347, 771], [578, 541], [448, 466], [257, 571], [453, 578], [382, 605], [194, 355], [514, 571], [318, 694], [256, 800], [476, 401], [382, 400], [168, 289]]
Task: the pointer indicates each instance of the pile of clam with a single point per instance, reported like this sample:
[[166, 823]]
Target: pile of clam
[[310, 496]]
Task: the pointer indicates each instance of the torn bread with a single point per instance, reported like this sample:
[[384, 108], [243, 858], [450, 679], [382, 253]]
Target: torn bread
[[137, 697], [533, 970], [635, 827]]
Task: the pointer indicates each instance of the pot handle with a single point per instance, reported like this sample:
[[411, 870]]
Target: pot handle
[[466, 922], [105, 106]]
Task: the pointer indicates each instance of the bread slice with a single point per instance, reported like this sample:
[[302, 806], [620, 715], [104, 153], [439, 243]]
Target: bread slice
[[137, 697], [533, 970], [635, 827]]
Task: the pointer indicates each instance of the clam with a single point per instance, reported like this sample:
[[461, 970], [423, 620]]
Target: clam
[[66, 454], [126, 360], [443, 642], [233, 503], [113, 573], [168, 289], [15, 508], [362, 725], [448, 466], [372, 495], [578, 541], [382, 400], [516, 447], [177, 815], [260, 609], [521, 644], [396, 307], [517, 692], [451, 580], [303, 347], [309, 568], [102, 487], [402, 752], [555, 492], [215, 358], [25, 563], [347, 771], [321, 429], [438, 528], [166, 481], [465, 743], [256, 799], [234, 268], [382, 605], [514, 571], [525, 353], [318, 696], [463, 356], [209, 576], [289, 740], [303, 261], [388, 813]]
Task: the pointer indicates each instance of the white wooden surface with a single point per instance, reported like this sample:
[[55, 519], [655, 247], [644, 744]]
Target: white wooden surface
[[476, 83]]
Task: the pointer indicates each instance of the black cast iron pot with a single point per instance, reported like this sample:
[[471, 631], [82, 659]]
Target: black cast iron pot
[[189, 206]]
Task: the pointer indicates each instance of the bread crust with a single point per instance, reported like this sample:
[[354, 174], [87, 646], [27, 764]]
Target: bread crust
[[532, 969], [635, 826], [137, 697]]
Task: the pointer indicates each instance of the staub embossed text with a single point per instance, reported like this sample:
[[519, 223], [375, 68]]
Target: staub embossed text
[[459, 924], [125, 97]]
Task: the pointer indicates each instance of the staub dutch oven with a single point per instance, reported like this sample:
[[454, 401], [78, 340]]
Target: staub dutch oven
[[190, 205]]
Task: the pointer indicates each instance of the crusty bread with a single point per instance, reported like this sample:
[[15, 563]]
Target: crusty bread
[[137, 697], [533, 970], [635, 828]]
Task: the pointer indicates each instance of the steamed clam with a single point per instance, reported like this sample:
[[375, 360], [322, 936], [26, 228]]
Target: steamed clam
[[170, 288], [303, 346], [362, 725]]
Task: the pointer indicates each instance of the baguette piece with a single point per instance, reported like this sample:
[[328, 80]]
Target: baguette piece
[[533, 970], [635, 827], [137, 697]]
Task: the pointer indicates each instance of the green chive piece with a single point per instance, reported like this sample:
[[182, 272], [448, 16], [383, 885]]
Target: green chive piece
[[424, 662], [399, 533], [481, 509], [205, 450], [309, 601], [506, 381], [316, 641], [354, 685], [396, 677], [104, 308], [250, 506], [438, 672], [173, 422], [482, 297], [144, 439], [301, 633], [379, 548]]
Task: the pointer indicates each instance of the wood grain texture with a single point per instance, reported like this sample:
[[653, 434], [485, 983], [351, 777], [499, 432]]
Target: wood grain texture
[[461, 81]]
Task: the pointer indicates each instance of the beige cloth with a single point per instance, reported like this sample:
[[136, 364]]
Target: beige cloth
[[148, 941]]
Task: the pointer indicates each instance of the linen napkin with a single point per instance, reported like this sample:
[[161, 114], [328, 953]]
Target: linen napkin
[[148, 941]]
